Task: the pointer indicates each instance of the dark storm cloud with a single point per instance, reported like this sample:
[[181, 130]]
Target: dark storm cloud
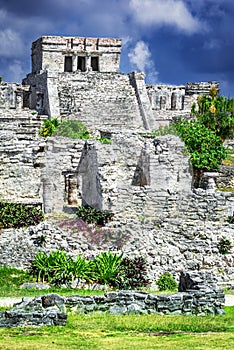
[[175, 41]]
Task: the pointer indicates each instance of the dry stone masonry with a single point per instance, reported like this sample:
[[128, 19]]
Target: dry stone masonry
[[198, 295], [46, 310], [146, 182]]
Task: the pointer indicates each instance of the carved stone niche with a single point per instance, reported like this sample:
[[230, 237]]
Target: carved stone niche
[[72, 195]]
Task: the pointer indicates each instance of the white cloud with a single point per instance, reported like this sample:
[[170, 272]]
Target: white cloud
[[11, 43], [140, 58], [165, 12]]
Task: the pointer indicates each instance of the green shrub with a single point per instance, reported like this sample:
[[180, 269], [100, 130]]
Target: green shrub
[[94, 216], [166, 282], [105, 267], [224, 245], [58, 268], [48, 128], [204, 136], [132, 274], [19, 215], [203, 144], [216, 113], [231, 219], [72, 129], [0, 80]]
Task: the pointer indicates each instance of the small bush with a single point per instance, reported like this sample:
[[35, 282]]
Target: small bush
[[48, 128], [231, 219], [132, 274], [19, 215], [166, 282], [224, 245], [58, 268], [94, 216], [72, 129], [105, 267], [205, 147]]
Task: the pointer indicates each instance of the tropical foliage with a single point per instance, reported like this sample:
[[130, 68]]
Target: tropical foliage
[[204, 136], [132, 274], [49, 126], [72, 129], [94, 216], [19, 215], [216, 113], [58, 268], [205, 147], [106, 267]]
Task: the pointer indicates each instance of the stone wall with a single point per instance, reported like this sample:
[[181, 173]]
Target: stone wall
[[13, 96], [171, 246], [50, 52], [145, 182], [46, 310], [99, 100], [20, 177], [196, 297]]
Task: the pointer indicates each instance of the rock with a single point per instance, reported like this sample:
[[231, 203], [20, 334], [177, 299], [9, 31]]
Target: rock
[[41, 311], [40, 286]]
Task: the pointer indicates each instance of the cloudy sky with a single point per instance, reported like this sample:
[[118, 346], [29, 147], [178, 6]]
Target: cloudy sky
[[173, 41]]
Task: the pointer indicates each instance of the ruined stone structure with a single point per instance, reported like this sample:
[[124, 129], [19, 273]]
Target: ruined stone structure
[[146, 182], [46, 310], [198, 295], [79, 78]]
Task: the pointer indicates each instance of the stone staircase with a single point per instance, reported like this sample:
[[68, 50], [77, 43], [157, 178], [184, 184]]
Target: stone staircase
[[100, 101]]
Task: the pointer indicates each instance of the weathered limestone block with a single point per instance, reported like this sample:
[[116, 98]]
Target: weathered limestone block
[[41, 311]]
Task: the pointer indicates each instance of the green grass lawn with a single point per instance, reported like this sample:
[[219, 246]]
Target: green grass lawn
[[127, 332]]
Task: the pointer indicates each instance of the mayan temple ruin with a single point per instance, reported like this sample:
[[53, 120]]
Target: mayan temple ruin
[[146, 182]]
